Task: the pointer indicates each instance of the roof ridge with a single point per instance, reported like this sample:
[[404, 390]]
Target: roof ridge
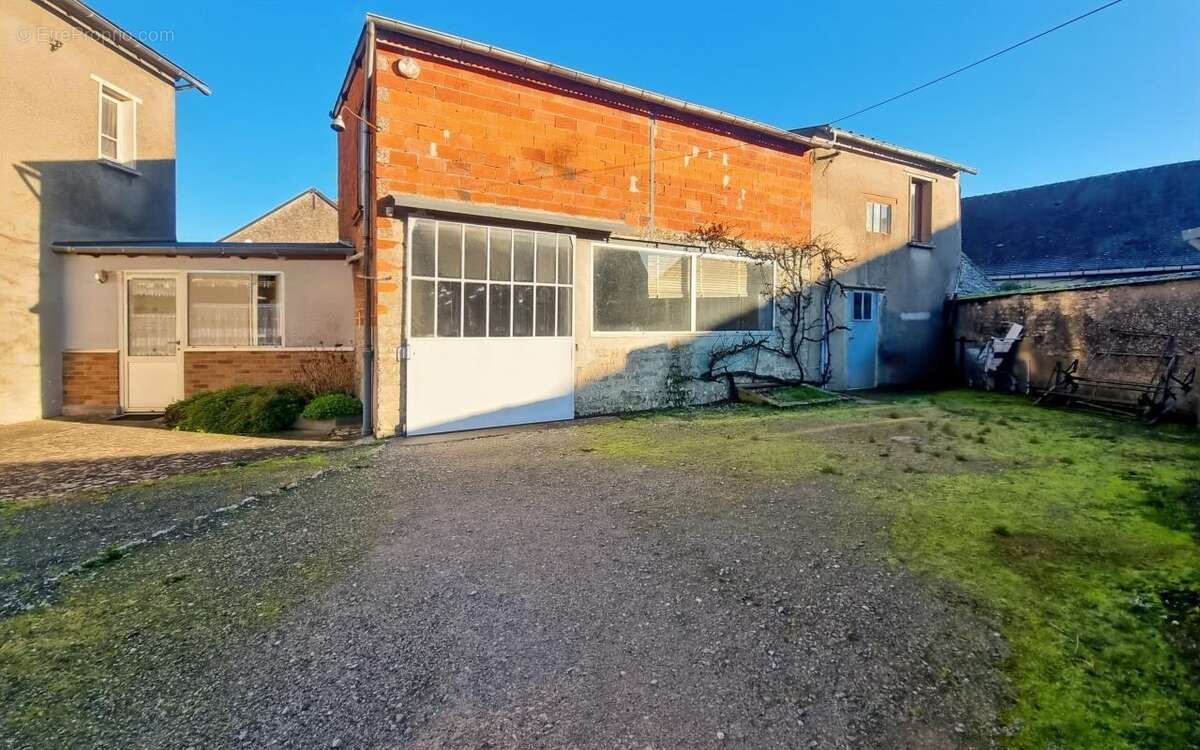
[[268, 212], [1082, 179]]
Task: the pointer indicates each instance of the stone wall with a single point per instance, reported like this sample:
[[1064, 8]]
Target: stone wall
[[1085, 323], [91, 383]]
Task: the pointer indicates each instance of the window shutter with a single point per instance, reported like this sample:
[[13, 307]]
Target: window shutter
[[722, 278], [665, 277]]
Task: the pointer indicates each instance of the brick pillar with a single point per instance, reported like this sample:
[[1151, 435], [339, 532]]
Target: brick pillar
[[389, 322]]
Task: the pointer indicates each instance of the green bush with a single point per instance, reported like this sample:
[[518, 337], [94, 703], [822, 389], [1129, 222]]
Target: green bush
[[241, 410], [330, 405]]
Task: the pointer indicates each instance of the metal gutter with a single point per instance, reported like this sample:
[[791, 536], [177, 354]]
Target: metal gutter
[[114, 35], [837, 138], [505, 213], [284, 250], [650, 97]]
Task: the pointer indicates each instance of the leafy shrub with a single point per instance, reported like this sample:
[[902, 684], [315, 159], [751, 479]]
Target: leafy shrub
[[240, 410], [330, 405]]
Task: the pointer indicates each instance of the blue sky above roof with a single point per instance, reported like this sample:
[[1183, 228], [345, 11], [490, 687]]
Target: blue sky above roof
[[1113, 92]]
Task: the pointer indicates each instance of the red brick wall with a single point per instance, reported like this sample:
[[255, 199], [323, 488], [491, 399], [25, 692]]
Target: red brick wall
[[210, 371], [473, 129], [91, 382]]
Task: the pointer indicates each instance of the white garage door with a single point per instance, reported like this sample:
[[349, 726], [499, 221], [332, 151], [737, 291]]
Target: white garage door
[[490, 313]]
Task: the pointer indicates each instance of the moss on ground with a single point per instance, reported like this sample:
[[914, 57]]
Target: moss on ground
[[1074, 531], [70, 672]]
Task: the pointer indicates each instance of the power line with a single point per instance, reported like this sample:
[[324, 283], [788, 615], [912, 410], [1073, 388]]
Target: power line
[[992, 56]]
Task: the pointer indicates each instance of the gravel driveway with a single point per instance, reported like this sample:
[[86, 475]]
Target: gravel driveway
[[524, 592]]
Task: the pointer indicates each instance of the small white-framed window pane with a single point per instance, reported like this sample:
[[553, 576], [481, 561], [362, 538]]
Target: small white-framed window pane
[[547, 258], [266, 293], [499, 309], [449, 252], [449, 309], [522, 256], [474, 309], [424, 301], [108, 147], [868, 300], [522, 324], [108, 117], [564, 311], [475, 253], [423, 253], [547, 310], [565, 252], [885, 222], [501, 254], [856, 306]]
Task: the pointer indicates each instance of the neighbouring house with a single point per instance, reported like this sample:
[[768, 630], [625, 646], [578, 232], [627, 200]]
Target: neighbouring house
[[307, 217], [1098, 270], [523, 234], [88, 121], [1115, 226], [104, 310]]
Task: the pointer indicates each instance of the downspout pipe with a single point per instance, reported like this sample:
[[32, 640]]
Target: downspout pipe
[[368, 355]]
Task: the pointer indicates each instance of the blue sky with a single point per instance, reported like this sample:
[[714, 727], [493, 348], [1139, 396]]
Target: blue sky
[[1115, 91]]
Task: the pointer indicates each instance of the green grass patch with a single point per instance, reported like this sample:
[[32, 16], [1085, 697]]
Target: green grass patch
[[1077, 533], [800, 393]]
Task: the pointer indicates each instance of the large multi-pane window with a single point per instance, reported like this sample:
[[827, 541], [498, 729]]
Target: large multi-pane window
[[234, 309], [650, 290], [475, 281]]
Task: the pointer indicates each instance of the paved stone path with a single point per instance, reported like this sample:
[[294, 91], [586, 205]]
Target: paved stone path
[[51, 457]]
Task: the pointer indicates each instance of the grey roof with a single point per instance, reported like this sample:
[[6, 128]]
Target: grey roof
[[170, 249], [971, 280], [1116, 223]]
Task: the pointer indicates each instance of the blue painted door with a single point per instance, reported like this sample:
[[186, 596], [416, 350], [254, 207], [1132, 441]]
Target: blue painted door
[[863, 321]]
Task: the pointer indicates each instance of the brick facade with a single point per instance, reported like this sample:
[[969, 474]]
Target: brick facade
[[470, 128], [91, 382], [473, 129], [210, 371]]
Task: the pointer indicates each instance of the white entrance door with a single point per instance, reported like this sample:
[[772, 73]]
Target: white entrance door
[[489, 327], [151, 342], [863, 351]]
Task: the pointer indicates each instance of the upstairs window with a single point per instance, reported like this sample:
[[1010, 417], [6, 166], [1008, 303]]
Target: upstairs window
[[879, 217], [117, 125], [921, 221]]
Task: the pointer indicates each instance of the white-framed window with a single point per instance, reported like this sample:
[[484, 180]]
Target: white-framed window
[[643, 290], [879, 217], [477, 281], [235, 309], [116, 128], [862, 306], [921, 211]]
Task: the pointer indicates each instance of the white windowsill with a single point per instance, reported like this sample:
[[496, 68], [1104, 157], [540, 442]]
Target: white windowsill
[[119, 166], [923, 245]]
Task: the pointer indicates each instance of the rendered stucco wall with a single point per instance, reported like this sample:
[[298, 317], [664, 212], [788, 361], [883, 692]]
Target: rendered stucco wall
[[52, 186], [316, 297], [915, 280]]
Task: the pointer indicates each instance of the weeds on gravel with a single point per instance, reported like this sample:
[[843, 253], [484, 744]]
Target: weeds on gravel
[[1073, 531]]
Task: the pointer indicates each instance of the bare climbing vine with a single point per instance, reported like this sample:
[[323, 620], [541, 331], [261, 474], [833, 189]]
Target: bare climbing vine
[[806, 287]]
